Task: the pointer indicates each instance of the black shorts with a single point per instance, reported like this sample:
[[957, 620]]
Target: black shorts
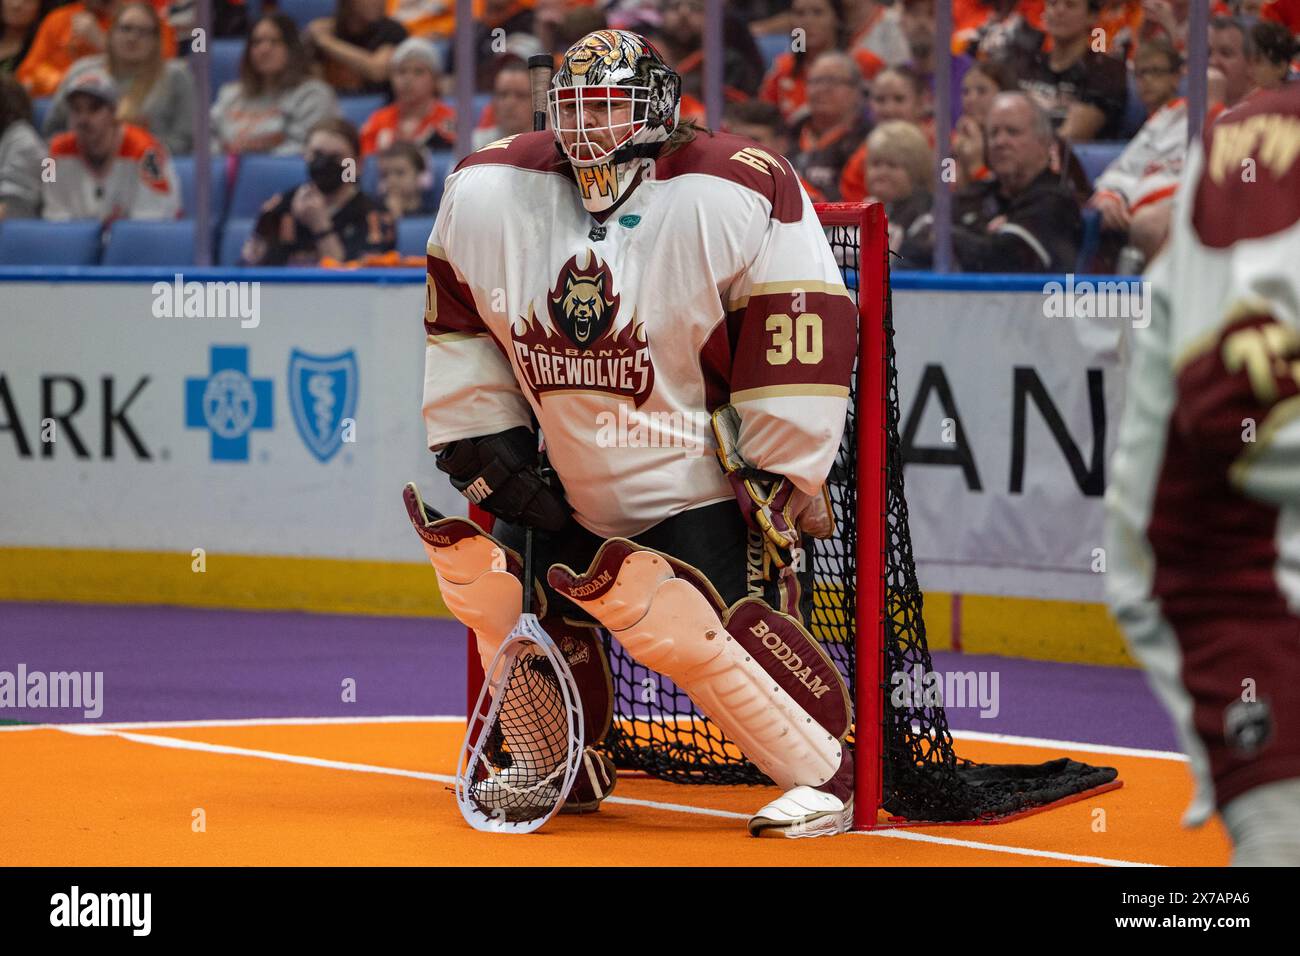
[[712, 538]]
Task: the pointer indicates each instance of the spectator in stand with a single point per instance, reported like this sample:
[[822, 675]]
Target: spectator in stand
[[900, 167], [1021, 220], [21, 153], [416, 115], [997, 30], [835, 123], [19, 21], [681, 37], [500, 27], [404, 181], [355, 46], [1231, 50], [424, 18], [786, 83], [1084, 93], [1167, 20], [878, 29], [1135, 192], [69, 33], [103, 168], [983, 81], [547, 17], [274, 103], [1122, 22], [156, 94], [1274, 50], [1285, 12], [512, 104], [896, 95], [918, 26], [328, 217]]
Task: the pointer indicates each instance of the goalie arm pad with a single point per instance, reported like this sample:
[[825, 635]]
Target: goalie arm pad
[[502, 474]]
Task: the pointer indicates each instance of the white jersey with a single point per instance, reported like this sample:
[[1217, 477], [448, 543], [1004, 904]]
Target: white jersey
[[1148, 169], [1203, 527], [139, 181], [712, 282]]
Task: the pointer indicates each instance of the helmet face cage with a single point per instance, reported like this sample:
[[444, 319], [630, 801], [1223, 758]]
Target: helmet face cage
[[592, 122]]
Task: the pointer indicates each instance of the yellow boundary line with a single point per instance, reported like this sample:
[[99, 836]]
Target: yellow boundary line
[[1067, 631]]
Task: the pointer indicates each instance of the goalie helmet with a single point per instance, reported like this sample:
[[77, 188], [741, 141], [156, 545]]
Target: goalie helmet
[[613, 103]]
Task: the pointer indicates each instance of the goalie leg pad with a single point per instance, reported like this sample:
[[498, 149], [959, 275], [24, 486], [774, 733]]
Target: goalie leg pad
[[754, 671]]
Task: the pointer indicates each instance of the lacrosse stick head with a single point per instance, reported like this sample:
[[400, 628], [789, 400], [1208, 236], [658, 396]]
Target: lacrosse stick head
[[524, 742]]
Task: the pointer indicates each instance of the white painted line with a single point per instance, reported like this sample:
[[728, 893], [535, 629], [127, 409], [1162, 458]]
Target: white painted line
[[1069, 745], [175, 743], [996, 847]]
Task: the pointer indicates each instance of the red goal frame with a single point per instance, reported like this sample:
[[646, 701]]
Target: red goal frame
[[872, 422]]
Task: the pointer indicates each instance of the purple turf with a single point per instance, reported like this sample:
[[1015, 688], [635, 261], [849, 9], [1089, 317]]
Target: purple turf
[[167, 663]]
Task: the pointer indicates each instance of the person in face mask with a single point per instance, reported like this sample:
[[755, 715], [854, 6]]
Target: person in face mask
[[327, 217]]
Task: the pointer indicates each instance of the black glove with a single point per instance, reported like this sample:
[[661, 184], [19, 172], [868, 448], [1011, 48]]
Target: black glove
[[502, 475]]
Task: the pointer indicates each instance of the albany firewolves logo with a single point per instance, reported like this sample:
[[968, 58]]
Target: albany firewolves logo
[[580, 350]]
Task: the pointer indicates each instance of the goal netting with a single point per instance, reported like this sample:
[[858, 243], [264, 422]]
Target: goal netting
[[865, 600]]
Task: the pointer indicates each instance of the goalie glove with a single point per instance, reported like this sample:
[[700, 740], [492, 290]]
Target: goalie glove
[[502, 474], [771, 504]]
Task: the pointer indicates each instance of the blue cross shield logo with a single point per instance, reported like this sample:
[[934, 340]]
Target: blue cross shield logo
[[228, 403], [322, 393]]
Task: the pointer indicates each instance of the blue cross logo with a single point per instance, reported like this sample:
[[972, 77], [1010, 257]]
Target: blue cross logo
[[228, 403]]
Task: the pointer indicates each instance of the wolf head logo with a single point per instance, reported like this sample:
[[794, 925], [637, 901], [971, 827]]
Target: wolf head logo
[[583, 303]]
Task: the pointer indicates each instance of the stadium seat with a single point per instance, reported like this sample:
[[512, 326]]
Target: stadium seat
[[413, 234], [357, 109], [232, 241], [185, 170], [443, 162], [772, 45], [1091, 240], [134, 242], [1095, 157], [303, 12], [260, 177], [224, 55], [40, 107], [34, 242]]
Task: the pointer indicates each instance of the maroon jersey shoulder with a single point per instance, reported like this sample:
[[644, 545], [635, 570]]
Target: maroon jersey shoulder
[[1250, 184], [536, 151], [739, 160]]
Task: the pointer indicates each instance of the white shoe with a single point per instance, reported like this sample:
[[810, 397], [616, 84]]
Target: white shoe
[[803, 812]]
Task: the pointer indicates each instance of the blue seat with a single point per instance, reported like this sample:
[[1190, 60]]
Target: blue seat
[[303, 12], [1090, 241], [40, 107], [357, 109], [260, 177], [185, 171], [224, 55], [1095, 157], [134, 242], [34, 242], [413, 234], [772, 45], [232, 241], [441, 164]]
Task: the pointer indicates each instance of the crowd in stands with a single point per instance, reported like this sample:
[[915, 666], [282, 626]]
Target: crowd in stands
[[1068, 118]]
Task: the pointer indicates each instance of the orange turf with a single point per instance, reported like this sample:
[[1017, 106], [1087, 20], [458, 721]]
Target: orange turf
[[69, 799]]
